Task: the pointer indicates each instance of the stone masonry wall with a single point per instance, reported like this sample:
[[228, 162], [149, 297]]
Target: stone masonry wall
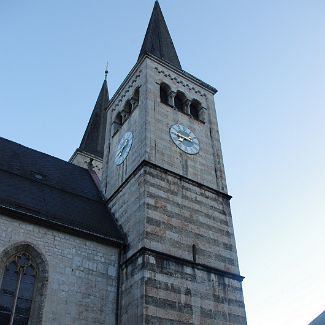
[[206, 167], [166, 213], [128, 207], [113, 176], [82, 275], [168, 292], [180, 214], [82, 159], [150, 123]]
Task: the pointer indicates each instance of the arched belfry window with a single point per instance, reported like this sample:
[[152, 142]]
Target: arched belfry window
[[135, 98], [180, 102], [24, 274], [195, 108], [126, 110], [117, 123], [164, 93]]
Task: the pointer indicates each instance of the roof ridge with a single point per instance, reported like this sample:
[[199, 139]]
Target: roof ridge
[[43, 153]]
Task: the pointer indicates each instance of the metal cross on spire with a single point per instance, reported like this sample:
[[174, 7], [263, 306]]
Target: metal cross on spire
[[106, 70]]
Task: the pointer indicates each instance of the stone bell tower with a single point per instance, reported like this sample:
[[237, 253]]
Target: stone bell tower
[[163, 178]]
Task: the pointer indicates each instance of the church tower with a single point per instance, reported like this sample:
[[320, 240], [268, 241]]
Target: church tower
[[163, 179]]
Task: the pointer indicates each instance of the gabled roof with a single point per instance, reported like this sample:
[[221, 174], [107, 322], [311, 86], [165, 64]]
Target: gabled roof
[[47, 190], [158, 41], [94, 137]]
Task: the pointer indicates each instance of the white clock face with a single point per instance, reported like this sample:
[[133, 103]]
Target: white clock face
[[123, 148], [184, 139]]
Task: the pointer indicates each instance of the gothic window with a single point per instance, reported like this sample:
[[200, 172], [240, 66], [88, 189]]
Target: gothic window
[[117, 123], [164, 93], [179, 102], [17, 288], [195, 108]]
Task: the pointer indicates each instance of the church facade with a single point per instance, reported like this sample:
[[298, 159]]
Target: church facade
[[136, 228]]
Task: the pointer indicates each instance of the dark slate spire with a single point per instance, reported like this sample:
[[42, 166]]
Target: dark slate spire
[[94, 138], [158, 41]]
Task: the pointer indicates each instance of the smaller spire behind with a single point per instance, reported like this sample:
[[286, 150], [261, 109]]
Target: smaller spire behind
[[94, 137]]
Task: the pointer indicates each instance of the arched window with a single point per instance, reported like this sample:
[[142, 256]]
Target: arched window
[[135, 97], [195, 108], [126, 110], [179, 102], [164, 93], [17, 288], [117, 123]]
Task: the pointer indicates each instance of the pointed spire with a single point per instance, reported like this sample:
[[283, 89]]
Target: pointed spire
[[158, 41], [94, 137]]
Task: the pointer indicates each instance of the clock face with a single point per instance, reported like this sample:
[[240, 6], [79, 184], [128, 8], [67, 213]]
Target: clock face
[[123, 148], [184, 139]]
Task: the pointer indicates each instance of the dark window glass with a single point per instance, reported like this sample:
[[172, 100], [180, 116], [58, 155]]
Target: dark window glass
[[16, 292], [4, 318], [20, 320]]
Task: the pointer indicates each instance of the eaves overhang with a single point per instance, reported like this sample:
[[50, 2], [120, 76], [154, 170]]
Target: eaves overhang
[[30, 217]]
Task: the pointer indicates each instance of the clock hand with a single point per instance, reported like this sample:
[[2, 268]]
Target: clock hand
[[119, 153], [182, 137]]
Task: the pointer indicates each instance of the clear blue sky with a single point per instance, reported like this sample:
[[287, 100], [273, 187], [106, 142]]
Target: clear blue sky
[[266, 58]]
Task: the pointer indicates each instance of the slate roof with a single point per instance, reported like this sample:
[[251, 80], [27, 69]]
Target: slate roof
[[158, 41], [94, 137], [320, 320], [47, 190]]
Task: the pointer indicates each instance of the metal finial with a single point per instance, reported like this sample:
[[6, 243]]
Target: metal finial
[[106, 71]]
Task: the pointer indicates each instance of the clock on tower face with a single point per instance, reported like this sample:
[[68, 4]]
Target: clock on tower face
[[123, 148], [184, 139]]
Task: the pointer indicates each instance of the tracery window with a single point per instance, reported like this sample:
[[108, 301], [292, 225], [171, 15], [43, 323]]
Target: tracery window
[[17, 288]]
